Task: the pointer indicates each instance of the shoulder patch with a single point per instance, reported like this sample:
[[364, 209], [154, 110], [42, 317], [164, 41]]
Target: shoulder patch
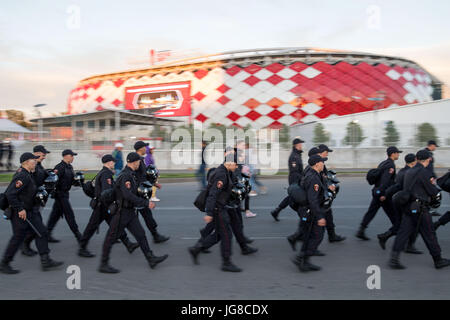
[[294, 164], [55, 171], [316, 187], [128, 184], [19, 183], [108, 181], [391, 170], [219, 184], [19, 170]]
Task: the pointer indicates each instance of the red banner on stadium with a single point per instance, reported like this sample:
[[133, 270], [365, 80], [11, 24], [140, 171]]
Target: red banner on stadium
[[170, 99]]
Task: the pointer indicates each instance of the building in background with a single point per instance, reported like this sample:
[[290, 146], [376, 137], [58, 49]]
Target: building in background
[[261, 88]]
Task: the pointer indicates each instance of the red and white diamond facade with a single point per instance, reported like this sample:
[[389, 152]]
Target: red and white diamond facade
[[269, 88]]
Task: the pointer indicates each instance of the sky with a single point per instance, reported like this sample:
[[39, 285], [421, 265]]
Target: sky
[[46, 47]]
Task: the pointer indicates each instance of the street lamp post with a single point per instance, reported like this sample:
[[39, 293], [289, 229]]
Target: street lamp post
[[40, 122]]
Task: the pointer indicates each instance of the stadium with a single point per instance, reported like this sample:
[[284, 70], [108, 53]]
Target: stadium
[[260, 88]]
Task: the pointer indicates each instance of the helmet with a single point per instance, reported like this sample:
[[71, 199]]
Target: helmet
[[238, 192], [436, 201], [245, 180], [41, 196], [152, 173], [329, 197], [50, 182], [78, 180], [331, 175], [145, 189]]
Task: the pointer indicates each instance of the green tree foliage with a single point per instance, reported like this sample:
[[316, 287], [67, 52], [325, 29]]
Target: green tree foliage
[[425, 132], [320, 135], [354, 135], [391, 135]]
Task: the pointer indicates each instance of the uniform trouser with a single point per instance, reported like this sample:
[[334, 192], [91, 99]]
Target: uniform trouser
[[99, 215], [398, 221], [408, 226], [313, 237], [125, 218], [222, 233], [247, 203], [284, 203], [445, 218], [237, 226], [330, 221], [21, 229], [150, 222], [373, 208], [62, 207]]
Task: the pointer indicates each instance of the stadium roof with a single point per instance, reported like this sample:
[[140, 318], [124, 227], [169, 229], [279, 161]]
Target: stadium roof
[[7, 125]]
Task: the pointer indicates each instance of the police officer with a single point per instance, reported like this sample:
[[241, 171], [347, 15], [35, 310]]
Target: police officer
[[21, 194], [417, 216], [146, 213], [314, 215], [295, 166], [411, 161], [104, 180], [61, 206], [218, 196], [128, 201], [39, 175], [332, 236], [379, 199]]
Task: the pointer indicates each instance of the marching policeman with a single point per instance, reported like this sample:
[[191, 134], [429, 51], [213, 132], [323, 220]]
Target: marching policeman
[[218, 196], [332, 236], [39, 176], [25, 218], [61, 206], [417, 217], [385, 180], [104, 180], [128, 203], [411, 161], [315, 216], [295, 165], [146, 213]]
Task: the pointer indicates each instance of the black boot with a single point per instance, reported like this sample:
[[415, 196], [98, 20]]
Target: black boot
[[394, 262], [248, 240], [412, 249], [27, 251], [311, 266], [361, 234], [318, 253], [303, 263], [48, 264], [85, 253], [154, 260], [333, 237], [228, 266], [106, 268], [292, 239], [7, 269], [131, 246], [194, 251], [436, 225], [158, 238], [51, 239], [248, 250], [383, 238], [440, 262], [275, 213]]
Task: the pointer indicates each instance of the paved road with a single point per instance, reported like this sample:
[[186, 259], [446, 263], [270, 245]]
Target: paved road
[[268, 274]]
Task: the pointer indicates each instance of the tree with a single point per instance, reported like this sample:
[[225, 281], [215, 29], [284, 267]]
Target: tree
[[391, 135], [18, 117], [354, 135], [425, 132], [320, 135]]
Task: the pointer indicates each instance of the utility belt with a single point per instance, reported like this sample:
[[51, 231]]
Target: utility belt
[[418, 206]]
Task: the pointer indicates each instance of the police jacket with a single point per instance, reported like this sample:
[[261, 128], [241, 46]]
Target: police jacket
[[126, 190], [65, 174], [387, 177], [220, 190], [295, 166], [141, 176], [103, 181], [21, 191], [430, 167], [389, 192], [39, 175], [423, 188], [315, 191]]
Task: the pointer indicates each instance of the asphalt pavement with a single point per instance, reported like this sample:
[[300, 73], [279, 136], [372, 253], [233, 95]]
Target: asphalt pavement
[[268, 274]]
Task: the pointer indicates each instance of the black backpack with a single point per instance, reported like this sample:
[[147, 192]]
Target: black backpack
[[298, 194], [200, 201], [89, 189], [444, 182], [373, 175], [4, 204]]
